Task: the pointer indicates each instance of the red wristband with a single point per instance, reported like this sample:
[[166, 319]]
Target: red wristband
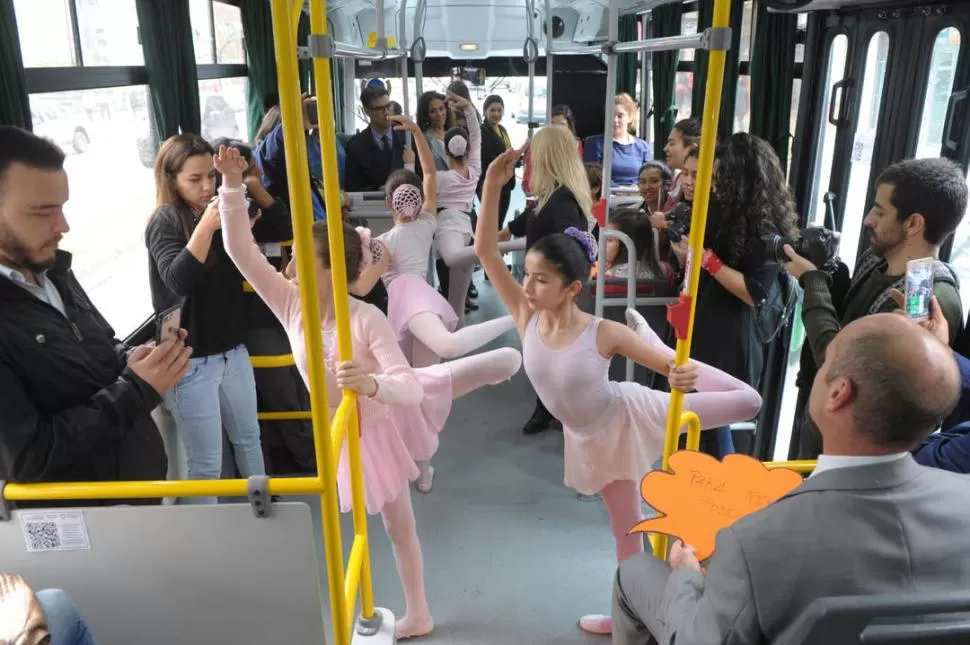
[[710, 262]]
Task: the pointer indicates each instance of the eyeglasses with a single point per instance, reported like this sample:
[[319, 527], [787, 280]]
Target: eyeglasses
[[380, 108]]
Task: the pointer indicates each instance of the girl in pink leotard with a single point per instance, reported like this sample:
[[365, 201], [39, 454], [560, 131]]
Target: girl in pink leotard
[[423, 320], [614, 432], [390, 393]]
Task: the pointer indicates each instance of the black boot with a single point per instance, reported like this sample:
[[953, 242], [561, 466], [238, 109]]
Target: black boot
[[540, 420]]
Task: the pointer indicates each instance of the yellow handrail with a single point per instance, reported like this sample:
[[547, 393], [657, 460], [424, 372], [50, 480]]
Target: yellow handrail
[[702, 192], [269, 362], [338, 271], [285, 18]]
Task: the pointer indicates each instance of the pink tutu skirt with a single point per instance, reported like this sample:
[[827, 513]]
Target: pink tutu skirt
[[623, 446], [409, 295], [391, 442]]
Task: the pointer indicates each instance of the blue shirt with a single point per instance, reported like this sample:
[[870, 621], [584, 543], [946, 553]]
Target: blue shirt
[[628, 158], [950, 450], [44, 289]]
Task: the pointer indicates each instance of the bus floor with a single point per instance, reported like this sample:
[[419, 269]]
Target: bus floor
[[510, 554]]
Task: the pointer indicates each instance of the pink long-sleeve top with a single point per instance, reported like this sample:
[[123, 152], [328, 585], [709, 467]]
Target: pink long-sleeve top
[[454, 191], [375, 347]]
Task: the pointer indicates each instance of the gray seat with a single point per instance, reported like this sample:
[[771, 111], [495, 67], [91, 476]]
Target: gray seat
[[914, 619]]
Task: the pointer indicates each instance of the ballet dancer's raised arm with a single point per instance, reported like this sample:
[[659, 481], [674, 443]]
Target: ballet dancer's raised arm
[[280, 295], [486, 238], [368, 278], [425, 157]]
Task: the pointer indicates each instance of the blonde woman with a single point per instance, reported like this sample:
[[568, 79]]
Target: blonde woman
[[629, 151], [560, 183]]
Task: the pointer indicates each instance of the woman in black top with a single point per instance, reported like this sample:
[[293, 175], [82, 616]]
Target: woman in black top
[[750, 199], [560, 183], [495, 141], [188, 267]]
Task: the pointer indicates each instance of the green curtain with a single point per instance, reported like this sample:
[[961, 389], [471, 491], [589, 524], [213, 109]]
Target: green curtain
[[166, 38], [626, 64], [729, 92], [337, 78], [772, 78], [306, 64], [14, 102], [257, 22], [666, 21]]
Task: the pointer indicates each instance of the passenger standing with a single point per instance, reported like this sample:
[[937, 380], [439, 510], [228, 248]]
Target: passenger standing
[[495, 141], [684, 137], [433, 120], [188, 266], [629, 151], [376, 151], [75, 402]]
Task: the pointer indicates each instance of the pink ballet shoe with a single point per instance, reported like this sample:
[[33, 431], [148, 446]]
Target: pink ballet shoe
[[408, 627], [596, 624], [426, 480]]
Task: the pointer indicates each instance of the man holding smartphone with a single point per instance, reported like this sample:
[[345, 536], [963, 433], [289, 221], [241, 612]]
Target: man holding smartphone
[[918, 205], [75, 403]]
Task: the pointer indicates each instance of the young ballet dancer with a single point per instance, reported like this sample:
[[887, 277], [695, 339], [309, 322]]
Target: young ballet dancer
[[456, 189], [390, 393], [614, 432], [422, 319]]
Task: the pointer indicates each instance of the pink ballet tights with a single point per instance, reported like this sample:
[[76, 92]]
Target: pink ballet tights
[[402, 530], [622, 499]]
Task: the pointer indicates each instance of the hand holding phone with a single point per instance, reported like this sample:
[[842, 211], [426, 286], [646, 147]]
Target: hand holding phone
[[919, 288], [167, 325]]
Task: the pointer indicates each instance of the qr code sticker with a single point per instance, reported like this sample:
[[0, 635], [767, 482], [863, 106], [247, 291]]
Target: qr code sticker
[[43, 536]]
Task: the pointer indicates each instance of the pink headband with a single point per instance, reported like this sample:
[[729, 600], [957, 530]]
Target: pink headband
[[407, 201], [371, 250]]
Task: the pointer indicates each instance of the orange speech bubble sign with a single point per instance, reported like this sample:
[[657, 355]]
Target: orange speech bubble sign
[[702, 495]]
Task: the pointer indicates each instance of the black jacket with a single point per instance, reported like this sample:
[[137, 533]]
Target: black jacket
[[367, 165], [560, 212], [70, 409]]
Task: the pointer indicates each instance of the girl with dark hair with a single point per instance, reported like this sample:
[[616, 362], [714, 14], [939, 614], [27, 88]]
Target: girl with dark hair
[[562, 115], [433, 120], [423, 321], [614, 432], [188, 267], [750, 199], [654, 181], [649, 267], [495, 141], [684, 137], [391, 395]]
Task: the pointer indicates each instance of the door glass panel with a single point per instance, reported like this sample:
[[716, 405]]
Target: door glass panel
[[943, 69], [960, 254], [870, 100], [828, 132]]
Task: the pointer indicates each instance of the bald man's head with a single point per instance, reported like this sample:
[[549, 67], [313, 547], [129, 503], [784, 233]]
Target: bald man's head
[[899, 380]]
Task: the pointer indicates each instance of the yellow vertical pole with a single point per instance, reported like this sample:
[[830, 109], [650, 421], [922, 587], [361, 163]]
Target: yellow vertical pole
[[702, 193], [341, 299], [294, 138]]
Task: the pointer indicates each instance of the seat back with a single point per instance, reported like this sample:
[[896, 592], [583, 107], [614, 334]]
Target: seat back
[[156, 575], [914, 619]]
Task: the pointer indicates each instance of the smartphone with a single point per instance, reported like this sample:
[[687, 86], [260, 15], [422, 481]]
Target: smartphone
[[167, 324], [311, 110], [919, 288]]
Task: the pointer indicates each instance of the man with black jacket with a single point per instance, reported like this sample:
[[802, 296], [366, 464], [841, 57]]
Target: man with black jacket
[[918, 205], [75, 403]]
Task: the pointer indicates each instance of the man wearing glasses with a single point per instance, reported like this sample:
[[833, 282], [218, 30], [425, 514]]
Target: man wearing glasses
[[377, 151]]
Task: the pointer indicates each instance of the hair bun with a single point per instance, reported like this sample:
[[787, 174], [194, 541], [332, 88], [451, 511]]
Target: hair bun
[[407, 201], [587, 241], [458, 146]]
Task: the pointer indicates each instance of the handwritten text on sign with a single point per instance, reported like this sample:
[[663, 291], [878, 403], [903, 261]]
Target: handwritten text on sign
[[702, 495]]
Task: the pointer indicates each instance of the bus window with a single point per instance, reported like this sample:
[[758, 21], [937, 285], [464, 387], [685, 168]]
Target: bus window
[[943, 69], [828, 132]]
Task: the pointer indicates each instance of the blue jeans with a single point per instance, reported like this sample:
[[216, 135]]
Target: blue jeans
[[217, 394], [64, 621], [725, 441]]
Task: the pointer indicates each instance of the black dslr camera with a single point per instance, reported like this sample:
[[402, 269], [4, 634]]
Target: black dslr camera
[[678, 221], [816, 244]]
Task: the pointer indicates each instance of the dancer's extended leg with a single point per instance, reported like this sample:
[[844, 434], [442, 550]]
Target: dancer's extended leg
[[466, 255], [622, 499], [401, 528], [720, 398], [429, 331], [459, 275], [488, 368]]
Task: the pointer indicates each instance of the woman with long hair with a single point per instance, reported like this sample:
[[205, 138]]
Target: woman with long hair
[[495, 141], [562, 115], [629, 151], [614, 432], [750, 200], [684, 137], [433, 118], [561, 185], [188, 267]]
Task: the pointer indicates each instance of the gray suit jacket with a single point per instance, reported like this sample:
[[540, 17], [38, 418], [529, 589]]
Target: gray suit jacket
[[881, 528]]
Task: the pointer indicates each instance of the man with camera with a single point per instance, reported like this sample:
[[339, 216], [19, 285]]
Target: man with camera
[[918, 205], [75, 404]]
